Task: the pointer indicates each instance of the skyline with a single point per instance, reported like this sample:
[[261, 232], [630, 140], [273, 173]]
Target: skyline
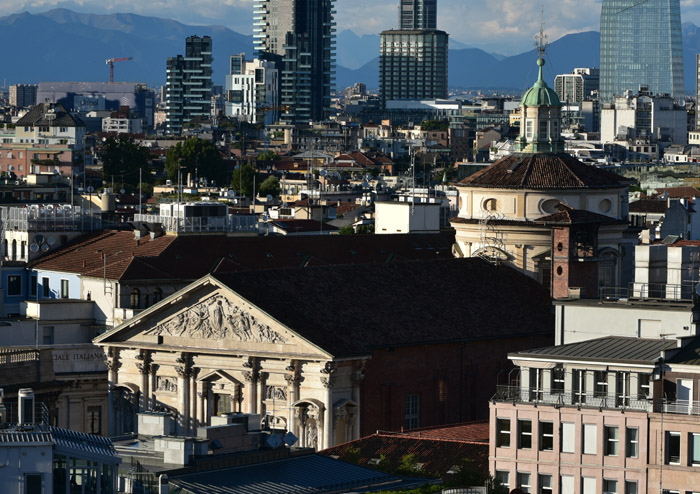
[[502, 26]]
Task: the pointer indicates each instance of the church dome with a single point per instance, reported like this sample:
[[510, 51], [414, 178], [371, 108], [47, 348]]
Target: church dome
[[540, 94]]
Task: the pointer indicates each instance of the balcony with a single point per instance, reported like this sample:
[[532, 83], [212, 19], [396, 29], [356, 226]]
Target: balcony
[[517, 394]]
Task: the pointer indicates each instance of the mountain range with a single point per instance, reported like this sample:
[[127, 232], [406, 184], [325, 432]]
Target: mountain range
[[62, 45]]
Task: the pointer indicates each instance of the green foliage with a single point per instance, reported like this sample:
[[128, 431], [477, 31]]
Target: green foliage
[[434, 125], [365, 229], [270, 186], [407, 465], [352, 455], [198, 157], [242, 179], [268, 156], [122, 158], [424, 489], [346, 230]]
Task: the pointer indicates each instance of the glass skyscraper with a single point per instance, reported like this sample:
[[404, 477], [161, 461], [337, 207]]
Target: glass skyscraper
[[418, 14], [640, 45]]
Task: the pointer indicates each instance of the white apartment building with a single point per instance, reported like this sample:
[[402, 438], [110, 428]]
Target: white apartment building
[[252, 92]]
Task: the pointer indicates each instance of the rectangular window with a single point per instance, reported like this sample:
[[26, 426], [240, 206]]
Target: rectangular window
[[588, 485], [524, 434], [503, 477], [33, 483], [590, 433], [694, 447], [622, 380], [567, 484], [47, 335], [503, 433], [45, 288], [14, 285], [546, 436], [94, 419], [630, 487], [609, 486], [601, 383], [529, 128], [32, 285], [524, 482], [535, 384], [579, 386], [673, 448], [558, 380], [545, 484], [543, 130], [643, 381], [632, 447], [568, 435], [612, 440], [412, 411], [65, 289]]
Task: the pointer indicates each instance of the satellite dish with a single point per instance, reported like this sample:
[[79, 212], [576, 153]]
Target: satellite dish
[[34, 248], [268, 198], [123, 191], [323, 173], [44, 248], [290, 439], [274, 441], [51, 241], [39, 239]]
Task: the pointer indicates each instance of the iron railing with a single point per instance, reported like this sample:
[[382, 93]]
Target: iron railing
[[649, 291], [517, 394]]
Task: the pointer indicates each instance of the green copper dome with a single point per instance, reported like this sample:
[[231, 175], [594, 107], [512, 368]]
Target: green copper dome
[[540, 94]]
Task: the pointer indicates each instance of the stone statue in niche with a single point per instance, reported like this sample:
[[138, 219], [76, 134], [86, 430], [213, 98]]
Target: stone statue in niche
[[217, 318], [167, 384], [276, 393]]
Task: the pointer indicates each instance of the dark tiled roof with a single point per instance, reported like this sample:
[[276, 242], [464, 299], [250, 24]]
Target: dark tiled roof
[[437, 456], [609, 348], [312, 473], [37, 116], [570, 216], [476, 221], [351, 310], [689, 354], [18, 437], [542, 171], [685, 192], [648, 206], [189, 257]]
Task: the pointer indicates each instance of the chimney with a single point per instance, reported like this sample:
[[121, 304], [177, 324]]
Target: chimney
[[25, 406]]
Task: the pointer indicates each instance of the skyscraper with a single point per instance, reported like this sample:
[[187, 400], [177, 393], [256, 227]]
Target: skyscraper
[[418, 14], [640, 45], [299, 34], [188, 84]]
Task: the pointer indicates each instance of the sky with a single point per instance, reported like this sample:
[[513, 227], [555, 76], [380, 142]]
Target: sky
[[500, 26]]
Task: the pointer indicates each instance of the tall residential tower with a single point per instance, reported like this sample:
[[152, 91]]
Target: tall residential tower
[[418, 14], [188, 84], [300, 36], [640, 45]]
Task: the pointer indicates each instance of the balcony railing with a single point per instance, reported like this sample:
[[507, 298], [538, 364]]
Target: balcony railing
[[649, 291], [517, 394]]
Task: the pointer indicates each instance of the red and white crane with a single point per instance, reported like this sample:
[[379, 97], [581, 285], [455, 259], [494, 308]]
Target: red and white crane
[[110, 62]]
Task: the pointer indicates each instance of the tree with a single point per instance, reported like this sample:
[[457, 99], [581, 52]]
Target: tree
[[270, 186], [243, 178], [268, 156], [122, 157], [198, 157]]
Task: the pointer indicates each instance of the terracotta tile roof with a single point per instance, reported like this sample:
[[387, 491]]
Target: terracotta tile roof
[[685, 192], [569, 215], [341, 311], [542, 171], [648, 206], [346, 207], [437, 456], [469, 432], [189, 257]]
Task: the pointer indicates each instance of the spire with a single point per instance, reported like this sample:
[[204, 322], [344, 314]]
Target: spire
[[541, 43]]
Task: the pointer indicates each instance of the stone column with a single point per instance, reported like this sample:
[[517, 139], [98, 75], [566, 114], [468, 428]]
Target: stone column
[[143, 362], [252, 376], [153, 386], [354, 419], [327, 380], [184, 370], [293, 380], [193, 401], [113, 365], [261, 393]]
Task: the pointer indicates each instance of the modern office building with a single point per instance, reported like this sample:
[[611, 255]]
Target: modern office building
[[413, 65], [252, 92], [418, 14], [302, 33], [188, 84], [697, 89], [577, 86], [640, 45], [22, 95]]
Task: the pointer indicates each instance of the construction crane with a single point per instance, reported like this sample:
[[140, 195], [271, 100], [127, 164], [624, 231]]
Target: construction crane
[[110, 62]]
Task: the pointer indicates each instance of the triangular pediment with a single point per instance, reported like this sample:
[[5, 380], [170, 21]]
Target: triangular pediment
[[209, 317]]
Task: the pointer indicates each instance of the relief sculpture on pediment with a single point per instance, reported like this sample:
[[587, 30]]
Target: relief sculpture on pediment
[[217, 318]]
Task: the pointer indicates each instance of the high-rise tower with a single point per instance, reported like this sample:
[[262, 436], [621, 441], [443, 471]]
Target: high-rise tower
[[418, 14], [188, 84], [300, 36], [640, 45]]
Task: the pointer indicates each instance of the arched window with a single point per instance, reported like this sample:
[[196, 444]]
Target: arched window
[[135, 299], [157, 295]]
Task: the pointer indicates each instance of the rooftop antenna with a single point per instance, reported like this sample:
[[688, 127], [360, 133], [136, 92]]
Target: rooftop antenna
[[541, 39]]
